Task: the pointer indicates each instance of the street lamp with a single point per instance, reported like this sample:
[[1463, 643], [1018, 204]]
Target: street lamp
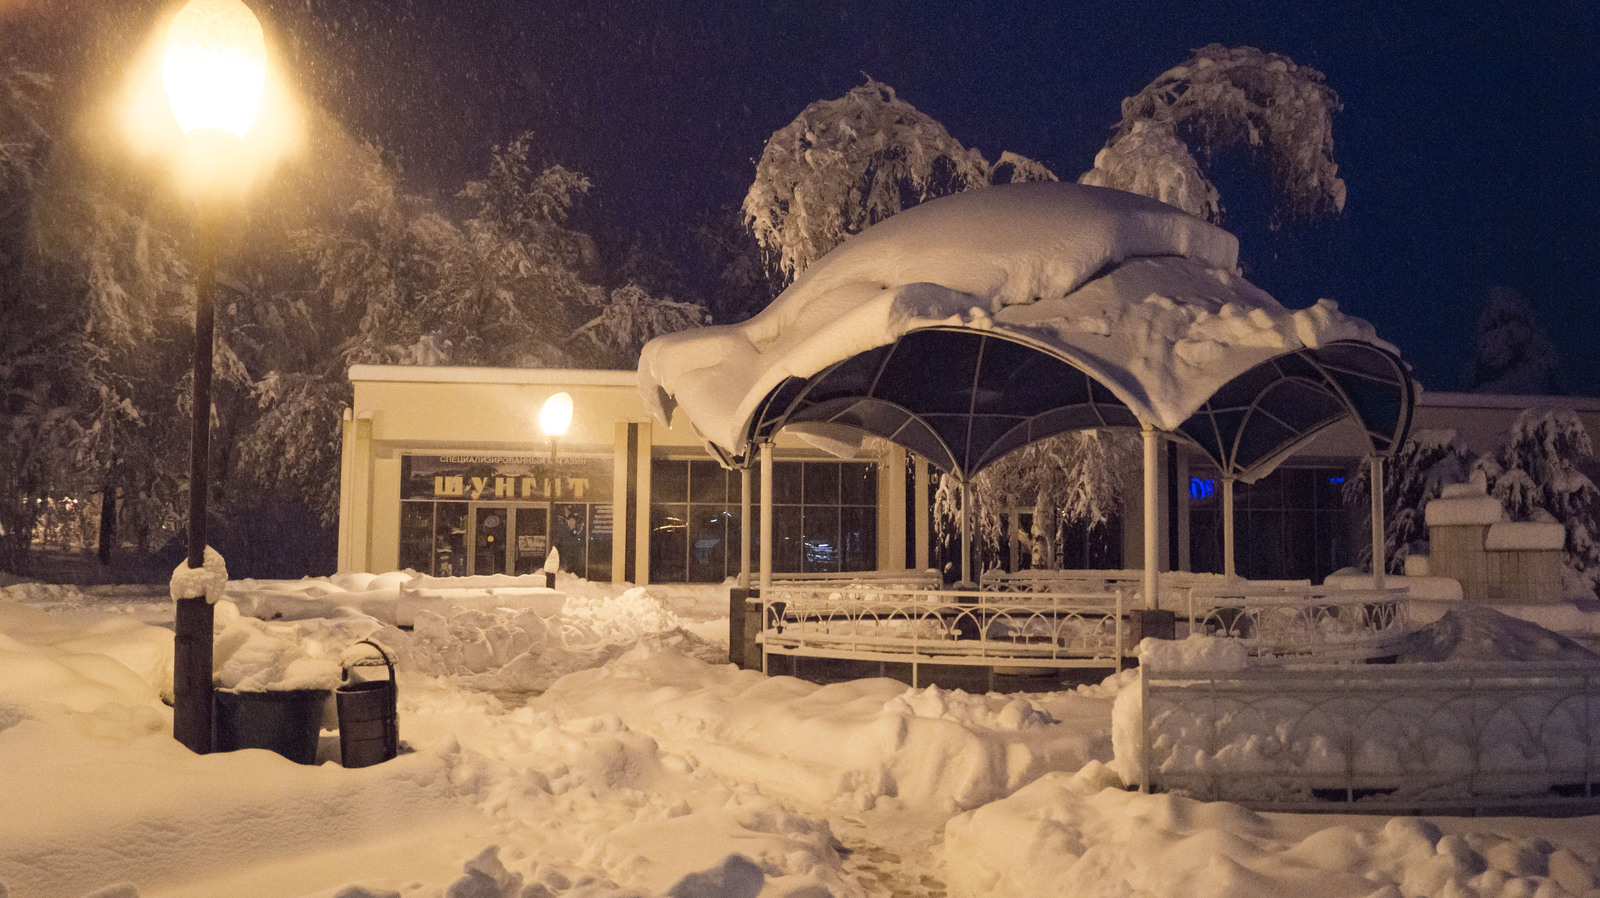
[[214, 73], [554, 418]]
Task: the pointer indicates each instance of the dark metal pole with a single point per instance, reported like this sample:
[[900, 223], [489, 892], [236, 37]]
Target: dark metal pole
[[191, 680]]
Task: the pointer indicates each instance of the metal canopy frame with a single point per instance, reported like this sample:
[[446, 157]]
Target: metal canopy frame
[[965, 398]]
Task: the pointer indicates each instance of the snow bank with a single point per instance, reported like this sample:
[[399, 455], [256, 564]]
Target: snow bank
[[1480, 633], [80, 660], [249, 655], [1074, 835], [854, 743], [1143, 297]]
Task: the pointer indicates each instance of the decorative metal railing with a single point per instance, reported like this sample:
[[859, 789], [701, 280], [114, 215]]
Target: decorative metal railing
[[944, 626], [1425, 737], [879, 618], [1299, 622], [882, 579]]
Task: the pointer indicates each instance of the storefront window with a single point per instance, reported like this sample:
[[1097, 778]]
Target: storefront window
[[465, 514], [824, 519]]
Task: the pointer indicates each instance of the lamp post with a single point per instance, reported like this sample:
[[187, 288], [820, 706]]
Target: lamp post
[[214, 72], [554, 418]]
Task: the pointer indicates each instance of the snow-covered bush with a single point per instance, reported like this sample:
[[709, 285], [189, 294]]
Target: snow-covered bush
[[1417, 473], [1535, 474]]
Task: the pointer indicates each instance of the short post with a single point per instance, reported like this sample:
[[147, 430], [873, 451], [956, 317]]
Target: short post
[[744, 623]]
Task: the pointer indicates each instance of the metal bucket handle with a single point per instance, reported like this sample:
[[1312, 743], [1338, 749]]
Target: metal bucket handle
[[382, 652]]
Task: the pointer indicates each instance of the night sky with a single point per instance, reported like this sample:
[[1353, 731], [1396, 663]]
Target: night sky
[[1470, 135]]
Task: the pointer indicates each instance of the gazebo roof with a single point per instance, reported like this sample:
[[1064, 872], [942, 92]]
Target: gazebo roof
[[968, 326]]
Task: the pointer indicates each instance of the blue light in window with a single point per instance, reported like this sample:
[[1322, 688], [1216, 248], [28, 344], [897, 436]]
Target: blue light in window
[[1336, 481], [1202, 488]]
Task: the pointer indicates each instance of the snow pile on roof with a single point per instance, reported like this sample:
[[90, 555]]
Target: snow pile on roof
[[1144, 297]]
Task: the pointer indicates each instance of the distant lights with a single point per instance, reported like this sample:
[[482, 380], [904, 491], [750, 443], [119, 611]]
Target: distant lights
[[1202, 488]]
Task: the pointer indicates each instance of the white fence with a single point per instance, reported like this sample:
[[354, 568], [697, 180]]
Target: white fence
[[1302, 622], [1427, 737], [1047, 630]]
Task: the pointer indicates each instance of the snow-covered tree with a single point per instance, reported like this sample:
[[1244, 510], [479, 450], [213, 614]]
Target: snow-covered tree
[[1428, 461], [1070, 478], [847, 163], [23, 131], [1514, 353], [1535, 474], [1217, 99], [630, 317], [740, 284]]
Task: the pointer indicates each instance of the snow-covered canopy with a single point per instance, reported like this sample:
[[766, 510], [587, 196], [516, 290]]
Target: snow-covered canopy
[[971, 325]]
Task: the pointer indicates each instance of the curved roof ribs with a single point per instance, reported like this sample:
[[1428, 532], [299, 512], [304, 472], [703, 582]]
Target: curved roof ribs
[[963, 398]]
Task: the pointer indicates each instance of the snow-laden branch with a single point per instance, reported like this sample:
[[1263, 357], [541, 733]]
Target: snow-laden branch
[[1219, 98]]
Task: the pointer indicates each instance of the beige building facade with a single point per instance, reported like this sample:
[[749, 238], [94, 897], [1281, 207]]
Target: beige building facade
[[446, 471]]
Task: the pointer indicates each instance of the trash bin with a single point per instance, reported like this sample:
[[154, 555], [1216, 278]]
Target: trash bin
[[369, 719], [287, 721]]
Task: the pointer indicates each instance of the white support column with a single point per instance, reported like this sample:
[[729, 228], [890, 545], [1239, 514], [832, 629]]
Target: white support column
[[1380, 559], [919, 508], [1227, 528], [1152, 513], [766, 519], [966, 533], [744, 527]]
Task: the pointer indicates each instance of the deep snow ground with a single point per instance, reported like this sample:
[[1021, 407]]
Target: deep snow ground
[[601, 754]]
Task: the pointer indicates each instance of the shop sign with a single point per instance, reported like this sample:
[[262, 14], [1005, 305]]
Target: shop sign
[[505, 478]]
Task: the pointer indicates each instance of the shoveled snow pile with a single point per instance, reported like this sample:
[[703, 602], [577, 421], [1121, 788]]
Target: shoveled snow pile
[[1480, 633], [1079, 835], [651, 773], [1145, 298]]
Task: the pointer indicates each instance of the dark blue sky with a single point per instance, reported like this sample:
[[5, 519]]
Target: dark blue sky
[[1470, 136]]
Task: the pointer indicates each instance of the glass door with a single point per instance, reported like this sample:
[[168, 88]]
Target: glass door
[[490, 524], [507, 538], [531, 525]]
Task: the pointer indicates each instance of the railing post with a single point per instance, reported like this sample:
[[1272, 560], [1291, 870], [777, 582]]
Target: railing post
[[1144, 729]]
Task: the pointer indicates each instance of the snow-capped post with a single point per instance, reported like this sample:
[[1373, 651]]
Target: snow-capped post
[[1227, 528], [214, 72], [554, 418], [1380, 559], [1152, 449]]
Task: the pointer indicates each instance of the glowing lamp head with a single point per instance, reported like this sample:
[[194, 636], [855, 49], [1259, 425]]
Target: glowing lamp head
[[215, 66], [556, 415]]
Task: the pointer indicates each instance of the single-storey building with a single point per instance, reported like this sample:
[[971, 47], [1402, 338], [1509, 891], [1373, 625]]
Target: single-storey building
[[445, 471]]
